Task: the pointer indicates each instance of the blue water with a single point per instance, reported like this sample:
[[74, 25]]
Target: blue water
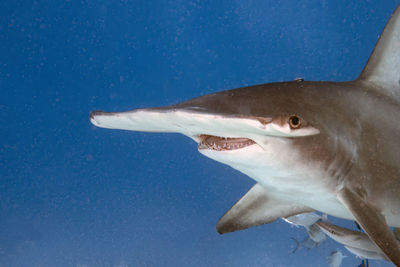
[[75, 195]]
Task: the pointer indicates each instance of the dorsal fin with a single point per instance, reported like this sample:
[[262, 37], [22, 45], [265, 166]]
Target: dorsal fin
[[383, 67], [255, 208]]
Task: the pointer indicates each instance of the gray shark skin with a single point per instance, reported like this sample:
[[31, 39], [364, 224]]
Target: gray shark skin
[[327, 146]]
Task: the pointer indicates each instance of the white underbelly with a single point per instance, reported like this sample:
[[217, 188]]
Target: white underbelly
[[306, 185]]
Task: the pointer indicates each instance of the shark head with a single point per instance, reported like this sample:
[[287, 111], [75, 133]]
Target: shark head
[[270, 132]]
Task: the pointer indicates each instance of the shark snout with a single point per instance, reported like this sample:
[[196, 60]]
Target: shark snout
[[96, 114], [187, 122], [194, 124]]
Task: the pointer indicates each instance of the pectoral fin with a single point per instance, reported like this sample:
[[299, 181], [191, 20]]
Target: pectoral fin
[[255, 208], [373, 223]]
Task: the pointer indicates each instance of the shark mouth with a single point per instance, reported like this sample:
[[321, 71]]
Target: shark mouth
[[223, 143]]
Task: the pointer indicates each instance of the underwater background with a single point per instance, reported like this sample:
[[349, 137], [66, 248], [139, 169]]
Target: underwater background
[[72, 194]]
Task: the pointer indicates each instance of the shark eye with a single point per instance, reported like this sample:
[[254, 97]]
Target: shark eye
[[294, 122]]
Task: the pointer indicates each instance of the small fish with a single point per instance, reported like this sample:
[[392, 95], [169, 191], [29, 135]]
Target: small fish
[[304, 219], [308, 220], [335, 259], [308, 243], [316, 234], [364, 263], [297, 244]]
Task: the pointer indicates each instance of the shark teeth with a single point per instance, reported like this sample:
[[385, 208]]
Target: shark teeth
[[223, 143]]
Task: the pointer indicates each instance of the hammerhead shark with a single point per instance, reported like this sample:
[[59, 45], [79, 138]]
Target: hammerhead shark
[[332, 147]]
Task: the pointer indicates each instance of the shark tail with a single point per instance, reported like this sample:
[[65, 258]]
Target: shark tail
[[383, 68]]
